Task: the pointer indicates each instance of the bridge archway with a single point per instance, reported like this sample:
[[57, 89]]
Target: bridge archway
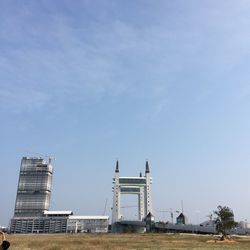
[[140, 186]]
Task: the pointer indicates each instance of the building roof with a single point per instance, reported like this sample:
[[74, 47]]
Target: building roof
[[58, 212], [128, 177], [88, 217]]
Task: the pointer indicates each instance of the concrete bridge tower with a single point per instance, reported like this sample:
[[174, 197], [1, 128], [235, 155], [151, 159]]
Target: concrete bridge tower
[[140, 186]]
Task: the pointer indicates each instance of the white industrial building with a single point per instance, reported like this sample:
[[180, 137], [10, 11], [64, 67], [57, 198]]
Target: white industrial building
[[87, 224], [60, 222]]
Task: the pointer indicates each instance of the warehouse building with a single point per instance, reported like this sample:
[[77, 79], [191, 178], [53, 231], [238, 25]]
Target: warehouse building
[[87, 224], [60, 222]]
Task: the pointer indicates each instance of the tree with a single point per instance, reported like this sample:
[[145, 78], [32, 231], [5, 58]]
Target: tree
[[224, 220]]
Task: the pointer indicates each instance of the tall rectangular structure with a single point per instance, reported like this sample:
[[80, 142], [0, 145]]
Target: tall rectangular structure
[[34, 187], [140, 186]]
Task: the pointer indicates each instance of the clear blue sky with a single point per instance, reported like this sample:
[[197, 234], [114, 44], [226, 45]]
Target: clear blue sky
[[93, 81]]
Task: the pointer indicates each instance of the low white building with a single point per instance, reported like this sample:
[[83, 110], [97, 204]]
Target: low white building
[[87, 224], [60, 222]]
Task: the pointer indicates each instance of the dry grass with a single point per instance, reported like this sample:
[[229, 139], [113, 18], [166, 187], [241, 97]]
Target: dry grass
[[121, 241]]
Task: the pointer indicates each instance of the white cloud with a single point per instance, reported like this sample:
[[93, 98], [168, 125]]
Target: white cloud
[[116, 57]]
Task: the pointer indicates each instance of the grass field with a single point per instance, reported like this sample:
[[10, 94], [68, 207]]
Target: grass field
[[122, 241]]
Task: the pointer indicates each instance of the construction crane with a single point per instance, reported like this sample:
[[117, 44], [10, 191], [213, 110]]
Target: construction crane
[[171, 213], [105, 206]]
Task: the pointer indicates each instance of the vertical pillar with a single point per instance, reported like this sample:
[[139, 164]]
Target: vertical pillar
[[148, 195], [116, 215], [141, 204]]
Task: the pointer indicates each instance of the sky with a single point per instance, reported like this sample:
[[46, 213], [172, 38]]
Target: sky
[[93, 81]]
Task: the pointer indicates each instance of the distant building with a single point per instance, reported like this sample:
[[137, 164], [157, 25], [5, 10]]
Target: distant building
[[150, 222], [33, 193], [60, 222], [208, 223], [181, 219], [55, 222], [32, 213], [87, 224], [34, 187]]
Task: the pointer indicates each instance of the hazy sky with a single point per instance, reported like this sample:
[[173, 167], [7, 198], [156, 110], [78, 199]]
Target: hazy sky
[[92, 81]]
